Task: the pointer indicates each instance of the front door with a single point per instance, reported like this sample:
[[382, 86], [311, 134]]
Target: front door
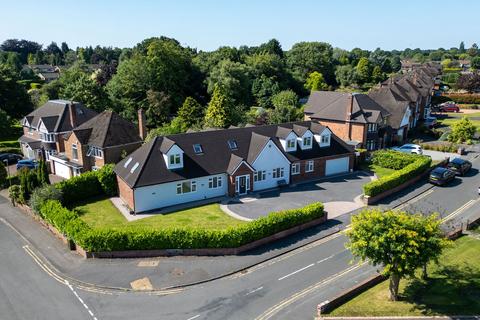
[[243, 184]]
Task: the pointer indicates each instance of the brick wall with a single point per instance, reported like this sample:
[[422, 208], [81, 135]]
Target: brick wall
[[241, 171], [126, 193], [81, 150], [340, 129], [318, 168], [35, 134]]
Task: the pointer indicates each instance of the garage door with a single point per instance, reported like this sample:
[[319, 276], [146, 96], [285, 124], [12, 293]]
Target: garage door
[[62, 170], [335, 166]]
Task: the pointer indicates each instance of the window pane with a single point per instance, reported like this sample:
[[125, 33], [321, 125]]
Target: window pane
[[179, 188], [186, 187]]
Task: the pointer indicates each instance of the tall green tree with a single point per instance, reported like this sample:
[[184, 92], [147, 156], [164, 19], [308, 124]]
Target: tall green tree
[[87, 91], [263, 89], [475, 63], [473, 51], [218, 110], [190, 114], [42, 173], [461, 47], [285, 108], [158, 108], [399, 242], [315, 82], [234, 78], [363, 70], [377, 74], [14, 99], [345, 75]]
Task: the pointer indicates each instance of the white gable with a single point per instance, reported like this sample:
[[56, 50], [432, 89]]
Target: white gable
[[307, 134], [270, 159], [41, 127], [284, 142], [327, 137], [174, 150], [406, 118]]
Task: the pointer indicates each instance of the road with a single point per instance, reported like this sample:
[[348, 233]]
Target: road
[[287, 287]]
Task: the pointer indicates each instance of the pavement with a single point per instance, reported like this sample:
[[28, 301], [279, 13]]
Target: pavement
[[439, 156], [299, 272], [332, 192]]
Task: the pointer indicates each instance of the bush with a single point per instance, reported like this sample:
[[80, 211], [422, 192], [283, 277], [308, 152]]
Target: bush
[[80, 188], [412, 170], [3, 175], [462, 130], [392, 159], [183, 238], [10, 150], [464, 98], [28, 182], [41, 195], [14, 193], [442, 147], [108, 180], [9, 144]]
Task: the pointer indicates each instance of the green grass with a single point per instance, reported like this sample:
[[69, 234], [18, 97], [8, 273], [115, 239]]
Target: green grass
[[449, 121], [102, 213], [453, 288], [379, 171]]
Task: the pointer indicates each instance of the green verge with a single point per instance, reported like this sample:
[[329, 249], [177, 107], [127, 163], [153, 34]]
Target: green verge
[[453, 288]]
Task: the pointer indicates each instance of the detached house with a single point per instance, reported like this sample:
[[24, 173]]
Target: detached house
[[195, 166], [355, 118], [43, 129], [103, 139]]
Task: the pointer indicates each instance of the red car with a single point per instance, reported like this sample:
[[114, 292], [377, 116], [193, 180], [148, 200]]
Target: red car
[[449, 108]]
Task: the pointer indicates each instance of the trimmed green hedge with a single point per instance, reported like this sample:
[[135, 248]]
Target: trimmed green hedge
[[464, 98], [143, 238], [412, 170], [392, 159], [88, 185], [10, 150]]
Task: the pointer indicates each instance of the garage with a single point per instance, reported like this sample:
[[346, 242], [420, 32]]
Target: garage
[[335, 166], [62, 170]]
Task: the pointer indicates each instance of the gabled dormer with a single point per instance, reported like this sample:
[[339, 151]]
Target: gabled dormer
[[288, 139], [172, 154], [306, 140], [323, 138]]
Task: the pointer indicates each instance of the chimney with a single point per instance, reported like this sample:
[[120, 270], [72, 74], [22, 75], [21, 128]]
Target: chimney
[[142, 128], [349, 115], [73, 114]]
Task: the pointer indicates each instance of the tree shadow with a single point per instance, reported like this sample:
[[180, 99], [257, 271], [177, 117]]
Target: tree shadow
[[450, 290]]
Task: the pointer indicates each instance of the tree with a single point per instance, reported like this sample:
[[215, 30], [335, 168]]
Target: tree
[[399, 242], [377, 74], [473, 51], [469, 82], [363, 70], [315, 82], [190, 114], [158, 108], [42, 173], [345, 75], [286, 107], [234, 78], [87, 91], [218, 110], [475, 63], [14, 99], [23, 47], [4, 124], [263, 89], [461, 47], [463, 130]]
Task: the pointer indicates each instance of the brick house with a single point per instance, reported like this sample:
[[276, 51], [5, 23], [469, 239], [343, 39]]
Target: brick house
[[181, 168], [44, 128], [106, 138], [355, 118]]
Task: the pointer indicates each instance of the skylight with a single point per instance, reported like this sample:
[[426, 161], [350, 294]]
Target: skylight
[[232, 144], [197, 148], [135, 166], [128, 162]]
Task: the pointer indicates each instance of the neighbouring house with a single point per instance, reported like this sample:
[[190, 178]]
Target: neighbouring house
[[399, 108], [45, 72], [105, 138], [355, 118], [44, 128], [181, 168]]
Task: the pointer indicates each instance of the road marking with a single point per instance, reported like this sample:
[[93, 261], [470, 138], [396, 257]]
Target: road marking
[[460, 210], [254, 290], [415, 199], [295, 272], [80, 299], [327, 258], [194, 317], [276, 308]]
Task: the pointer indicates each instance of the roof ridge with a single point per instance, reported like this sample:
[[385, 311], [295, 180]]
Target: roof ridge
[[110, 116], [154, 142]]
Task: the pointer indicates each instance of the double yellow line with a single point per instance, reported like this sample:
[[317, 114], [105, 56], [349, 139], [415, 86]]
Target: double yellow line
[[460, 210]]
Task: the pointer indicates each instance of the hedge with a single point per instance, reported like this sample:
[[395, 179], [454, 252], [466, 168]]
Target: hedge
[[464, 98], [10, 150], [9, 144], [143, 238], [442, 147], [392, 159], [397, 178]]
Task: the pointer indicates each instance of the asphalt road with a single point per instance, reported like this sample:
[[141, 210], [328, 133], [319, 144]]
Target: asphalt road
[[287, 287]]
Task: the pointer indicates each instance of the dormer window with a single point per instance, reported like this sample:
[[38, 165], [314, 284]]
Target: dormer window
[[291, 144], [232, 144], [307, 142], [174, 159], [325, 139], [197, 148]]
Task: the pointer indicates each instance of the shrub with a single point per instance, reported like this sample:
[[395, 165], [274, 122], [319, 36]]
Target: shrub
[[41, 194], [28, 182], [108, 180], [462, 130], [412, 170], [80, 188], [392, 159], [10, 144], [14, 193], [442, 147], [3, 175], [42, 173]]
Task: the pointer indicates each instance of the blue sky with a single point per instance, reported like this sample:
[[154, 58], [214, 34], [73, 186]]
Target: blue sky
[[208, 24]]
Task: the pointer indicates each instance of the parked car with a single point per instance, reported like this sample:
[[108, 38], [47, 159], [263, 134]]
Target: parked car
[[449, 107], [459, 166], [441, 176], [10, 158], [30, 164], [430, 122], [409, 148]]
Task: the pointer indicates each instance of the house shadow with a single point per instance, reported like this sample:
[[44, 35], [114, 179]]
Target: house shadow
[[451, 290]]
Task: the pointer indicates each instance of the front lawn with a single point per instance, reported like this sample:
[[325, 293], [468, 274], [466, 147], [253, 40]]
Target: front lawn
[[102, 213], [453, 288], [379, 171]]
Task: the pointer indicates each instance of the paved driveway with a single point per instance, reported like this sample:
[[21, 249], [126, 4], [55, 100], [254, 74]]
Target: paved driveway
[[337, 193]]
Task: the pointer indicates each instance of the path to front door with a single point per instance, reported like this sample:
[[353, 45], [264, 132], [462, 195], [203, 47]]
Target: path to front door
[[242, 184]]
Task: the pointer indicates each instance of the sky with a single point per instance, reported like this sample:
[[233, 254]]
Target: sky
[[208, 24]]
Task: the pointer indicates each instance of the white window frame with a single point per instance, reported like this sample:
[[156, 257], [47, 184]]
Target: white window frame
[[95, 168], [174, 159], [197, 148], [47, 137], [291, 144], [49, 153], [295, 168], [309, 166], [278, 173], [95, 152], [232, 144], [192, 187], [372, 127], [309, 140], [259, 176], [215, 182], [324, 139], [371, 144], [74, 154]]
